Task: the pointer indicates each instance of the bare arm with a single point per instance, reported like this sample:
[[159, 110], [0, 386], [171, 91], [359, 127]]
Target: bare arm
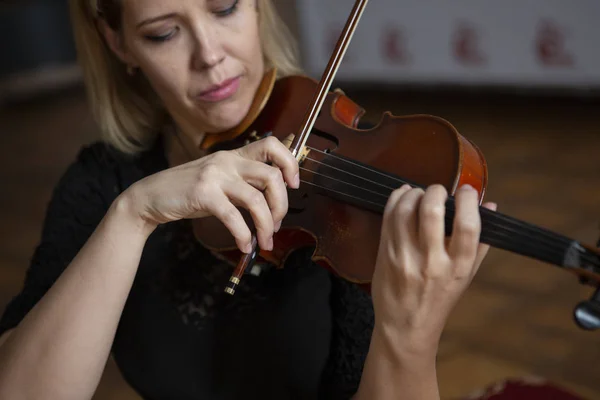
[[419, 276], [59, 349], [65, 340], [394, 372]]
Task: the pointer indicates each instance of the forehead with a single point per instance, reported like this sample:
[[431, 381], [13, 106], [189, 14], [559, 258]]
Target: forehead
[[144, 6]]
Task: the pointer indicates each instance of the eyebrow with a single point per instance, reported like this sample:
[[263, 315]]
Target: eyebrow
[[154, 19]]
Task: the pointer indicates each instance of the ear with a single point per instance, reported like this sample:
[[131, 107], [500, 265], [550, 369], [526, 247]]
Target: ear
[[115, 43]]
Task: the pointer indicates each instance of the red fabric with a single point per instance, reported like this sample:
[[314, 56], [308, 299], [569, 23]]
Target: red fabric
[[523, 389]]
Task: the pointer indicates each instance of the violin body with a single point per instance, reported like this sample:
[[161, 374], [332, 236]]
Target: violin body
[[346, 176]]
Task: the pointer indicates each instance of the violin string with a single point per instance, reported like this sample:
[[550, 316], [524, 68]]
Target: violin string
[[448, 216], [339, 180], [400, 181], [342, 193], [367, 180], [506, 219], [496, 238], [510, 235], [492, 237], [345, 160], [343, 182]]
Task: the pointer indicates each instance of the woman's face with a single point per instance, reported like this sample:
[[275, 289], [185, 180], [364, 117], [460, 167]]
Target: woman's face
[[202, 57]]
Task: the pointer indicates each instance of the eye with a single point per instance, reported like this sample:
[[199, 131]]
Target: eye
[[227, 11], [162, 38]]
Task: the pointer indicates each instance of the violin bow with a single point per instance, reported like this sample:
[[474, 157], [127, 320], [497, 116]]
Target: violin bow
[[308, 122], [586, 313]]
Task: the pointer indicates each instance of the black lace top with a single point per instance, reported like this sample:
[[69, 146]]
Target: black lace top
[[295, 333]]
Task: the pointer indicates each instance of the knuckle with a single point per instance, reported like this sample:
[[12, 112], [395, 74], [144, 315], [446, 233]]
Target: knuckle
[[469, 226], [280, 211], [433, 211], [463, 266], [242, 235], [229, 215], [435, 263], [204, 188], [221, 156], [404, 209], [208, 172], [392, 200], [256, 199], [438, 188], [396, 194], [272, 142], [434, 272], [274, 175]]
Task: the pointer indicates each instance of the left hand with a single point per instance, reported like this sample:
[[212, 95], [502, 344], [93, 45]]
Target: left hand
[[420, 274]]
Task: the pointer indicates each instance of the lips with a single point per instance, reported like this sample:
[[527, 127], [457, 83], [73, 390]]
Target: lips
[[220, 92]]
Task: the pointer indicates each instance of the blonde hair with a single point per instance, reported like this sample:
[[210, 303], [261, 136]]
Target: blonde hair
[[129, 113]]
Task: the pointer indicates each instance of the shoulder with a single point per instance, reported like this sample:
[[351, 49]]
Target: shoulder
[[90, 183], [93, 161], [100, 166], [100, 156]]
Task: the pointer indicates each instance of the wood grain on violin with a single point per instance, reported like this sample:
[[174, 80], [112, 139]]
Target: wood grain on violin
[[347, 175]]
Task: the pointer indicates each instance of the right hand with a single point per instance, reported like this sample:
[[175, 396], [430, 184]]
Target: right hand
[[217, 183]]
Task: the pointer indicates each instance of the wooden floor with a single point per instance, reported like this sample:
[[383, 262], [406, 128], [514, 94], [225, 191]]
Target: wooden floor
[[515, 319]]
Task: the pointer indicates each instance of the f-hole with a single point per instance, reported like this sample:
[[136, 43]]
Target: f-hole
[[332, 140], [297, 199]]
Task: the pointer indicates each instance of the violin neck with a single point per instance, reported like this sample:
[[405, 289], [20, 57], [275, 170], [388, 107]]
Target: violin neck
[[519, 237], [365, 187]]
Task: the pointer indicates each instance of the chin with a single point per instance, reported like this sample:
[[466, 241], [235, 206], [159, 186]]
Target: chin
[[227, 117]]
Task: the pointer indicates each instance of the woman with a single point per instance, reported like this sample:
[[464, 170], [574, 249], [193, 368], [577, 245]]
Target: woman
[[117, 270]]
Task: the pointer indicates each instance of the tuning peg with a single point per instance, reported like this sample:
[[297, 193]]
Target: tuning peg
[[587, 313]]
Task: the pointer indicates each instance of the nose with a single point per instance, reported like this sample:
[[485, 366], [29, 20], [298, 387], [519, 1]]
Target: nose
[[208, 51]]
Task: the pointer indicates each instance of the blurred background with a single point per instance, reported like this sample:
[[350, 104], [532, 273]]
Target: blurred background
[[521, 79]]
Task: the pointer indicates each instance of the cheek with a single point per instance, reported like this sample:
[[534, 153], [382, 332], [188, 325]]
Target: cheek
[[249, 50], [245, 44], [164, 75], [251, 56]]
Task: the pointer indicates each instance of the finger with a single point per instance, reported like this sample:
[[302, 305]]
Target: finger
[[407, 219], [254, 201], [432, 211], [233, 220], [270, 180], [483, 248], [389, 231], [393, 199], [404, 232], [389, 219], [466, 226], [271, 150]]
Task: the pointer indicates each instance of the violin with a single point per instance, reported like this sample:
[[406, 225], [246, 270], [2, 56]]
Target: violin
[[348, 173]]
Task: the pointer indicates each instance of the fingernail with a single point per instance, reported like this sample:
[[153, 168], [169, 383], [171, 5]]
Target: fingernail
[[297, 181], [278, 226], [467, 187], [270, 244], [248, 248]]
